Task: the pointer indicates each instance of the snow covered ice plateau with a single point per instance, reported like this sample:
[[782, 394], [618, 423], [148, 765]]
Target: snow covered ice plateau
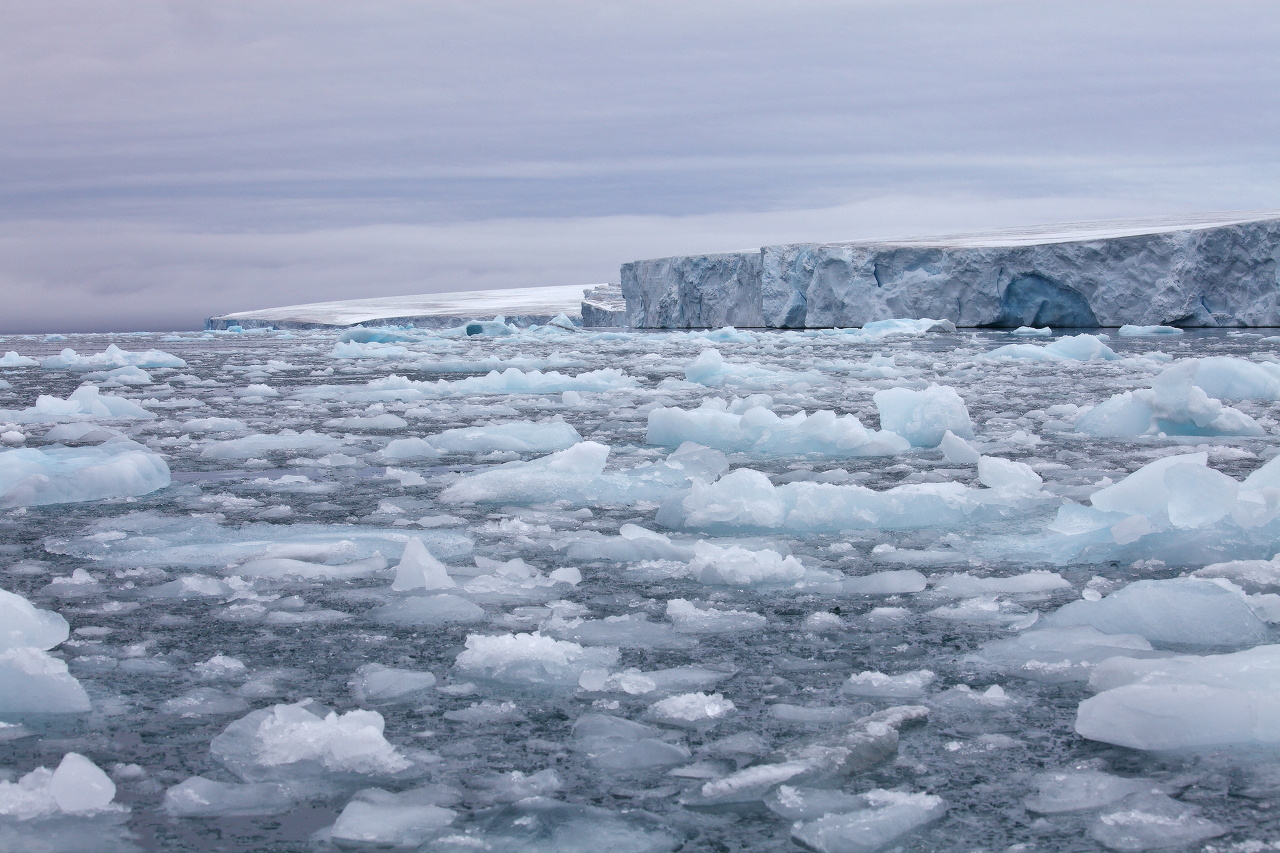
[[545, 589]]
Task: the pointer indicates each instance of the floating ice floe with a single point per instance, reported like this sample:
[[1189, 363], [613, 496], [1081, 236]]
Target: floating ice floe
[[381, 818], [745, 498], [510, 381], [76, 787], [375, 684], [541, 825], [201, 797], [56, 475], [251, 446], [1065, 791], [908, 685], [1187, 701], [109, 358], [743, 427], [710, 369], [305, 739], [1177, 403], [85, 403], [1174, 509], [852, 749], [885, 817], [577, 475], [31, 680], [1172, 613], [620, 745], [520, 437], [12, 359], [1058, 655], [1152, 821], [1074, 348], [691, 709], [688, 618], [531, 659], [1131, 331], [923, 418], [370, 349], [151, 539]]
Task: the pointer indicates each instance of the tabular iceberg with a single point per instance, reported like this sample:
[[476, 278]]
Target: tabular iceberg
[[1209, 271]]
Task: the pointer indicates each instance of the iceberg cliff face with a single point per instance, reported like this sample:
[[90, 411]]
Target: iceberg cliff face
[[1206, 272], [694, 291]]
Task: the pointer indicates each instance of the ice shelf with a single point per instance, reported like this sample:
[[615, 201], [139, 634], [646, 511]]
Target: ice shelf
[[1213, 270], [522, 305]]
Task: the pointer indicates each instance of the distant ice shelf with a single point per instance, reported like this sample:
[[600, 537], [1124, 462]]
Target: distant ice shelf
[[598, 305], [1212, 270]]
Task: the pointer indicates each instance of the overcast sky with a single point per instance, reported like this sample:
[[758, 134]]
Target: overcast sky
[[164, 161]]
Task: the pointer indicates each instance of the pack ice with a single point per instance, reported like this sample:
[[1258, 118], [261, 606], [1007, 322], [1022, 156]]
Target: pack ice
[[897, 587]]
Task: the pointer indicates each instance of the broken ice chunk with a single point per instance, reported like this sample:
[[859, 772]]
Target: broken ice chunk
[[888, 816], [531, 659]]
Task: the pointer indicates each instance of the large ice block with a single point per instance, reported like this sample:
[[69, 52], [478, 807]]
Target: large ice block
[[1203, 271]]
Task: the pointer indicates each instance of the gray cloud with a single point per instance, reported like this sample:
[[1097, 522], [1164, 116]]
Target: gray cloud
[[162, 161]]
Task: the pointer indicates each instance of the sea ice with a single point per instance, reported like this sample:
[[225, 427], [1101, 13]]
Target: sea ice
[[1187, 701], [424, 611], [1060, 791], [76, 787], [887, 816], [691, 709], [1056, 655], [531, 659], [541, 825], [877, 685], [1178, 403], [757, 429], [22, 624], [417, 569], [577, 475], [34, 682], [690, 619], [111, 357], [923, 417], [377, 817], [201, 797], [1173, 613], [375, 684], [304, 739], [617, 744], [1152, 821], [519, 437], [745, 498], [84, 403], [1073, 348]]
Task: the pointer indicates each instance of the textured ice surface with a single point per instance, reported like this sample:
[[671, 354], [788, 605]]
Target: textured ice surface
[[76, 786], [1185, 701], [1195, 272], [623, 601]]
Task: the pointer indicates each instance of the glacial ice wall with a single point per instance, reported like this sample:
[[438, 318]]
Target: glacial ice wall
[[1206, 272]]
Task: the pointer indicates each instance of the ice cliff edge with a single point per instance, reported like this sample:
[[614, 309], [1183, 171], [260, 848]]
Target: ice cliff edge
[[1221, 270]]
